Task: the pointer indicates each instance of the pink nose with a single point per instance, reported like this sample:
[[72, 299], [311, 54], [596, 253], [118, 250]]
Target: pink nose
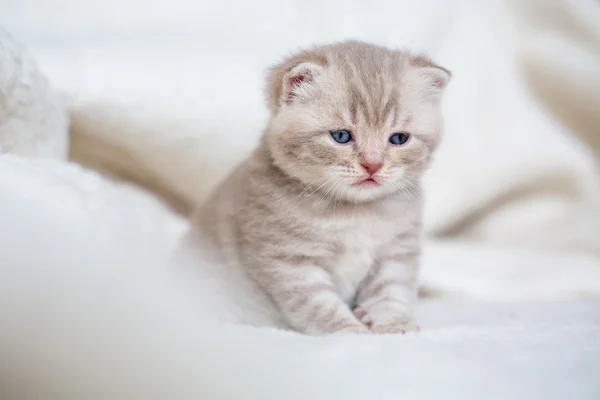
[[371, 166]]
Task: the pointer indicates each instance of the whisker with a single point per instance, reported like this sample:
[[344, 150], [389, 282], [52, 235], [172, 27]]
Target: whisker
[[414, 185], [338, 193], [397, 188], [407, 188], [309, 186], [326, 194], [332, 196], [319, 188]]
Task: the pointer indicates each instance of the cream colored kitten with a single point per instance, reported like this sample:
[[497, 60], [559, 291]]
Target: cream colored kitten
[[325, 217]]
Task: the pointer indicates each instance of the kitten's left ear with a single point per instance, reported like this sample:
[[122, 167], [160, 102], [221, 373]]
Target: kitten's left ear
[[435, 78]]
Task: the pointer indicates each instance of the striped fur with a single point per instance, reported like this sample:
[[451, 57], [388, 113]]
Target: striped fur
[[333, 256]]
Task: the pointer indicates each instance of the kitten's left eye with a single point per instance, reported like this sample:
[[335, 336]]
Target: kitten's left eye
[[341, 136], [399, 138]]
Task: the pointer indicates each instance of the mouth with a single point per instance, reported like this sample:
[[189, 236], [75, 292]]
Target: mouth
[[369, 182]]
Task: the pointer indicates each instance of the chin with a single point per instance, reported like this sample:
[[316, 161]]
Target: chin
[[366, 194]]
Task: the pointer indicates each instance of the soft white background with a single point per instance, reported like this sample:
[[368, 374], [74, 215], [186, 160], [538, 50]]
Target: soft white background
[[204, 61], [513, 171]]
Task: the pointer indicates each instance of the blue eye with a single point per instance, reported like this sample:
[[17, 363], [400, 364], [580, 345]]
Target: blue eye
[[399, 138], [341, 136]]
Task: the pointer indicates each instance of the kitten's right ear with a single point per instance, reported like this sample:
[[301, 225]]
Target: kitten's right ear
[[287, 85], [434, 77]]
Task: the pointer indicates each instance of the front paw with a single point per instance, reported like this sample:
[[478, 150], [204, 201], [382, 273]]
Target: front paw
[[362, 315], [397, 326], [385, 320]]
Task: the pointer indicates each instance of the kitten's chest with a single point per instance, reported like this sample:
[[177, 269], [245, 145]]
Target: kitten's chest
[[358, 247]]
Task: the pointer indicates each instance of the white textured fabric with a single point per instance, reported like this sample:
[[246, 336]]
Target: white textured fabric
[[32, 119], [83, 317]]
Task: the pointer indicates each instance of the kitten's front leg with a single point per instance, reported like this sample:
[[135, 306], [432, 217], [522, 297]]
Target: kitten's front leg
[[309, 301], [385, 301]]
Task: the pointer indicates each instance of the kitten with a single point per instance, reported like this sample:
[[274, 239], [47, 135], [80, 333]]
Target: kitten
[[325, 216]]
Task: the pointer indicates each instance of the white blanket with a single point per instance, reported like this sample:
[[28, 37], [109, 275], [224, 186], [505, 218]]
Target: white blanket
[[170, 99], [74, 329]]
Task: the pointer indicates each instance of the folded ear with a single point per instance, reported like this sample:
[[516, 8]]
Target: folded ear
[[298, 81], [434, 77], [291, 81]]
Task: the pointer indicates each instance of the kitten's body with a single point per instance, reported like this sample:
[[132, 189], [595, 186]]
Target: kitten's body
[[332, 249]]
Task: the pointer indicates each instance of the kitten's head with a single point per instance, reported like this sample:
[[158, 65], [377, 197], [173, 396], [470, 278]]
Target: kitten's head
[[355, 120]]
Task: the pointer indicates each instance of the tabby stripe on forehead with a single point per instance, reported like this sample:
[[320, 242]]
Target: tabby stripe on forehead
[[359, 103], [389, 108], [353, 117]]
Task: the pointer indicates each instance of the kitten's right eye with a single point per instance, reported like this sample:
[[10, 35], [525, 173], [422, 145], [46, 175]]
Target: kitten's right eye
[[341, 136]]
